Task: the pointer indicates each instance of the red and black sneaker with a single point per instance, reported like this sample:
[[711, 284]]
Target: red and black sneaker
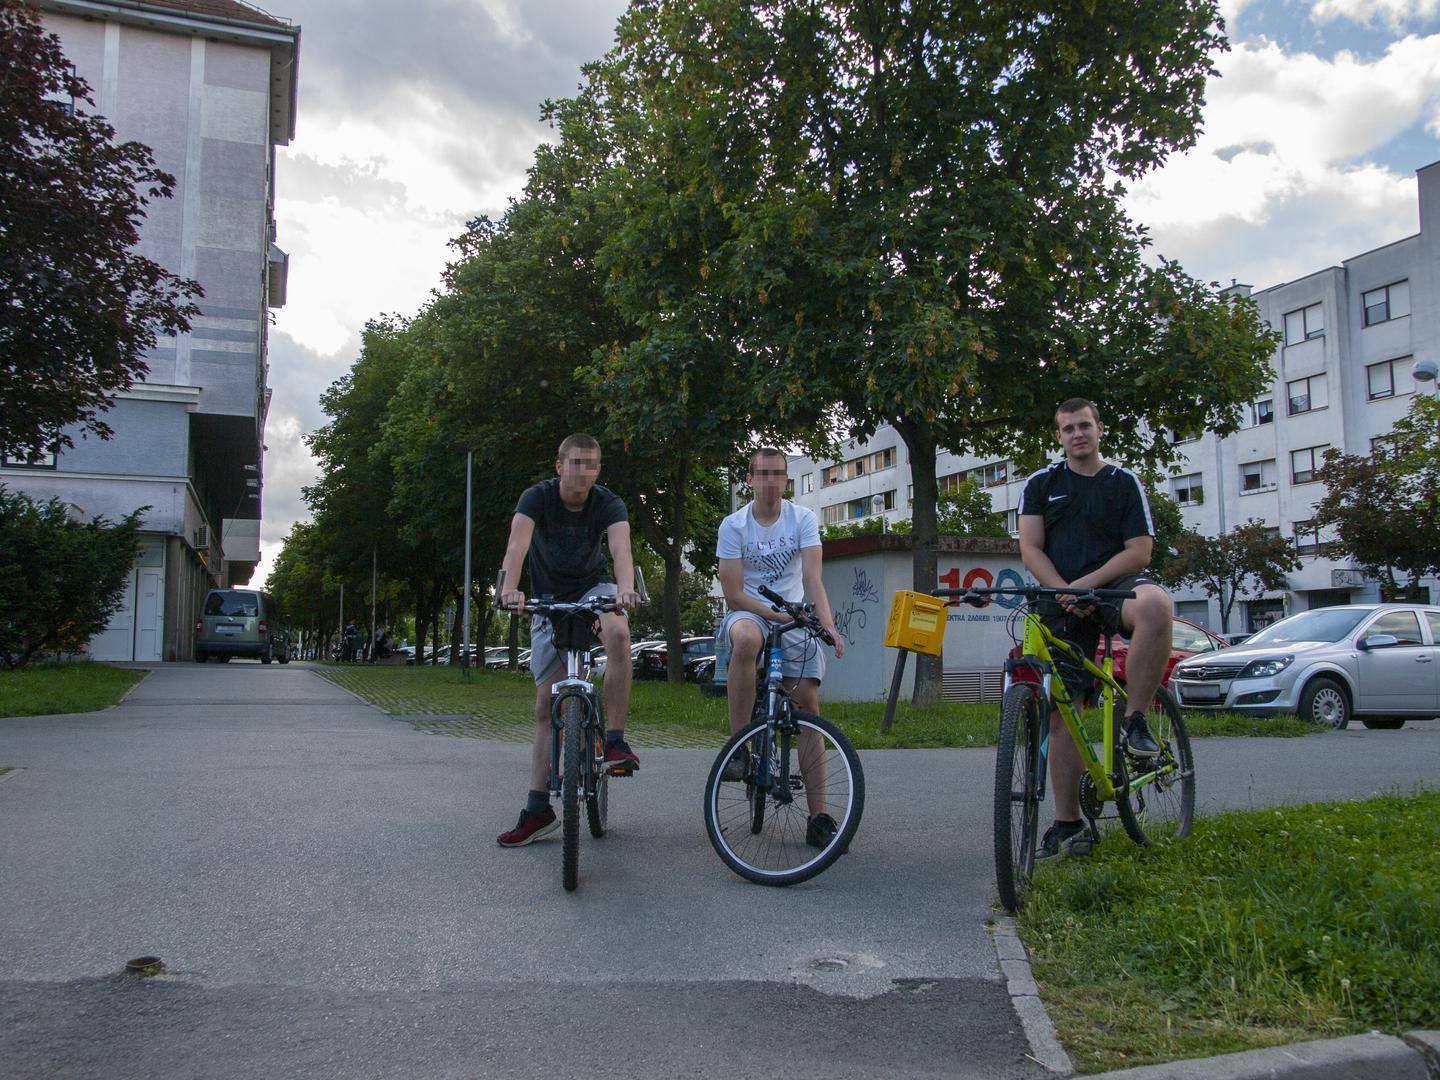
[[529, 828], [620, 760]]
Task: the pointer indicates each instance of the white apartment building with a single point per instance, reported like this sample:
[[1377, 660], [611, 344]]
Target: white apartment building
[[1343, 376]]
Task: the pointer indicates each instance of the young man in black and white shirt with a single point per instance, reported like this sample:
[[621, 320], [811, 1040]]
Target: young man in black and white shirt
[[560, 524], [1087, 523]]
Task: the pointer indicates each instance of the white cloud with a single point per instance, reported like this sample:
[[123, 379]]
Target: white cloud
[[1281, 182], [1394, 13]]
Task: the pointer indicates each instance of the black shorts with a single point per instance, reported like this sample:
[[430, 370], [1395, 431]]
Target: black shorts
[[1084, 631]]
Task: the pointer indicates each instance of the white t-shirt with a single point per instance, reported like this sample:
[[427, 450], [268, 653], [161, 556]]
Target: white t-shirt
[[770, 554]]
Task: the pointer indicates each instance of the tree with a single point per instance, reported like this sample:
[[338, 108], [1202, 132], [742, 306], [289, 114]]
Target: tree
[[1249, 559], [924, 226], [1169, 528], [78, 306], [60, 579], [1385, 509]]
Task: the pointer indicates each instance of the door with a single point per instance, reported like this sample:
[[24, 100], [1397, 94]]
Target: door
[[117, 640], [149, 614], [1396, 678]]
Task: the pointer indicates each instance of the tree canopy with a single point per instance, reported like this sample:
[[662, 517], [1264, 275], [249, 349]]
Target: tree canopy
[[79, 307], [1249, 559]]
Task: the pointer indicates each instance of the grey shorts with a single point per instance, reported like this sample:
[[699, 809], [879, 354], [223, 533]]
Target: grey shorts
[[543, 657], [804, 656]]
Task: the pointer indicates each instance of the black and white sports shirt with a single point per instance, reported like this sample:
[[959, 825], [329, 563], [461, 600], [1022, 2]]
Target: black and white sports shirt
[[1087, 518]]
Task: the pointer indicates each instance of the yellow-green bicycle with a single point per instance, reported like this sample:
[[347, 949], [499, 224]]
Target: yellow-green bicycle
[[1154, 797]]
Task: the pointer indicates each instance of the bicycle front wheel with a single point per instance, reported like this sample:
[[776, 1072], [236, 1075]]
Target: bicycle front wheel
[[572, 715], [1158, 801], [1018, 791], [774, 834]]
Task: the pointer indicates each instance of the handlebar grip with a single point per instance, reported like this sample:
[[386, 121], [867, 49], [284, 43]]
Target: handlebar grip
[[772, 596]]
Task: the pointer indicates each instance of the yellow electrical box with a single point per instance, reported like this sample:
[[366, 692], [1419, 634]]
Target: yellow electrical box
[[917, 623]]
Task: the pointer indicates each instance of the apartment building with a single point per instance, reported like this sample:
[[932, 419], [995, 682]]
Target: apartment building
[[210, 87], [1343, 375]]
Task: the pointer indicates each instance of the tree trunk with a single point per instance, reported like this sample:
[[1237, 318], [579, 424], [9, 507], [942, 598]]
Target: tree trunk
[[421, 625], [456, 628], [675, 653], [920, 442]]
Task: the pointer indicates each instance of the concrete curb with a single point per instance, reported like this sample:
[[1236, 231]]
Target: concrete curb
[[1045, 1046], [137, 684], [1415, 1056]]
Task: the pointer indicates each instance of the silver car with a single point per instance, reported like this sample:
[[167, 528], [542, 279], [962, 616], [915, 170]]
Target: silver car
[[1379, 663]]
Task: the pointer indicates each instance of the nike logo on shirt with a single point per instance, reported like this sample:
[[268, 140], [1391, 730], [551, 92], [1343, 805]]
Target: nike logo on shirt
[[1054, 497]]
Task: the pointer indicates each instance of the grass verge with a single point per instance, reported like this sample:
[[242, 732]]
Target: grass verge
[[46, 689], [660, 705], [1264, 927]]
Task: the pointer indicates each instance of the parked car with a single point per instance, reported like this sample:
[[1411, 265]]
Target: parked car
[[597, 662], [637, 648], [1236, 637], [1187, 639], [1377, 662], [241, 622], [654, 661]]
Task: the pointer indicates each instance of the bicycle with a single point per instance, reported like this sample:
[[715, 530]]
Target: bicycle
[[1156, 803], [756, 824], [577, 723]]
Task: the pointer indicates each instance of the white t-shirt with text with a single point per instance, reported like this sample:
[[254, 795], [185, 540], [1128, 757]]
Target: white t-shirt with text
[[770, 554]]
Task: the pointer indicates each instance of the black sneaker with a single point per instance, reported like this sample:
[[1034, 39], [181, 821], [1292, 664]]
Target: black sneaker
[[820, 831], [1065, 838], [740, 766], [1138, 739]]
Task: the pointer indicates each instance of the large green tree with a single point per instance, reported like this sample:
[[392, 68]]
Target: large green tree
[[923, 225], [79, 306]]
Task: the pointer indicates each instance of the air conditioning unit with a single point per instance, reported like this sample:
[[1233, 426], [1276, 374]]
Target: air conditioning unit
[[202, 538]]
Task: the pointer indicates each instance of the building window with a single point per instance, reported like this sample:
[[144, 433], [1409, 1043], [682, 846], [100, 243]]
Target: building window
[[1307, 538], [1189, 491], [1381, 445], [1257, 476], [1305, 464], [1306, 395], [1012, 522], [807, 483], [43, 460], [1177, 439], [1304, 324], [855, 509], [1382, 305], [1389, 378], [883, 459], [1262, 412]]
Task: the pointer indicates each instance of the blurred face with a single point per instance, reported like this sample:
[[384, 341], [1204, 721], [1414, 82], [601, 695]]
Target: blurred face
[[1079, 433], [577, 471], [767, 478]]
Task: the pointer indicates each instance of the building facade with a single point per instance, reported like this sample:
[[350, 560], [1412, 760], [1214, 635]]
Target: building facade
[[209, 86], [1342, 377]]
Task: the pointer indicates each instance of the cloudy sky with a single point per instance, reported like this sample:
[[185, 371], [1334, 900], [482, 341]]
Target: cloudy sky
[[416, 117]]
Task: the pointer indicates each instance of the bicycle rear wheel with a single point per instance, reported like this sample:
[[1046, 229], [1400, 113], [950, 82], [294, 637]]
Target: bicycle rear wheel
[[597, 781], [775, 845], [572, 714], [1159, 803], [1018, 792]]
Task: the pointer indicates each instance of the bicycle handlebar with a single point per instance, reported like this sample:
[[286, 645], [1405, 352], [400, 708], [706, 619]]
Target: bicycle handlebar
[[975, 596], [801, 613], [538, 605]]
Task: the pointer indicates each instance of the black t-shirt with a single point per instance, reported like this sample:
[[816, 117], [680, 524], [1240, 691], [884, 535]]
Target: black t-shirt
[[566, 560], [1087, 518]]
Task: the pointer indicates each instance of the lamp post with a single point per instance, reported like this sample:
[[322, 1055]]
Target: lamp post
[[465, 619], [1425, 371]]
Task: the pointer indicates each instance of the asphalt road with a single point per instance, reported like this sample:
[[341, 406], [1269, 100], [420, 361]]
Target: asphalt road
[[324, 887]]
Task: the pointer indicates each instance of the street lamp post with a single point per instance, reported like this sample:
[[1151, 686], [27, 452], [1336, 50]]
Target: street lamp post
[[1425, 371], [465, 638]]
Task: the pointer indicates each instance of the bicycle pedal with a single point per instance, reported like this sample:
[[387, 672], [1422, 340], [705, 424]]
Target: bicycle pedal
[[623, 769]]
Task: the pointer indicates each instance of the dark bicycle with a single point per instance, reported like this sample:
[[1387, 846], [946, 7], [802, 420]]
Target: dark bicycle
[[782, 769], [577, 723]]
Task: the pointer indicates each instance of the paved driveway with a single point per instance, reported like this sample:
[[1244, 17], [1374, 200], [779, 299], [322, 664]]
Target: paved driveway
[[324, 886]]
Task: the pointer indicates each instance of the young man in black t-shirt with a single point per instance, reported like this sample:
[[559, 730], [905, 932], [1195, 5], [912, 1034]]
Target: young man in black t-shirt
[[560, 524], [1087, 523]]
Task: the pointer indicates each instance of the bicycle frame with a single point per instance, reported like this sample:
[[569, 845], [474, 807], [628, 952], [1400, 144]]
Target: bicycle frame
[[1038, 653]]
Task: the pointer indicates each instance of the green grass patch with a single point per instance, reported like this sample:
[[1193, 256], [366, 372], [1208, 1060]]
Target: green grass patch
[[1262, 928], [661, 706], [46, 689]]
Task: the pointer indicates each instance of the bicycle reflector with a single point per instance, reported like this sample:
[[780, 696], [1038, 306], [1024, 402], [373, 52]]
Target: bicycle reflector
[[917, 623]]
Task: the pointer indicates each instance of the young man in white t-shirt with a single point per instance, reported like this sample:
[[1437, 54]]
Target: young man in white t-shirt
[[773, 543]]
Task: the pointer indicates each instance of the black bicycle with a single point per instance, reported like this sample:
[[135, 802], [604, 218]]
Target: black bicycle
[[780, 772], [577, 724]]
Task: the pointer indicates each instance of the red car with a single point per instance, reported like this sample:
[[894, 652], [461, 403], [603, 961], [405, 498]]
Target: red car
[[1187, 640]]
